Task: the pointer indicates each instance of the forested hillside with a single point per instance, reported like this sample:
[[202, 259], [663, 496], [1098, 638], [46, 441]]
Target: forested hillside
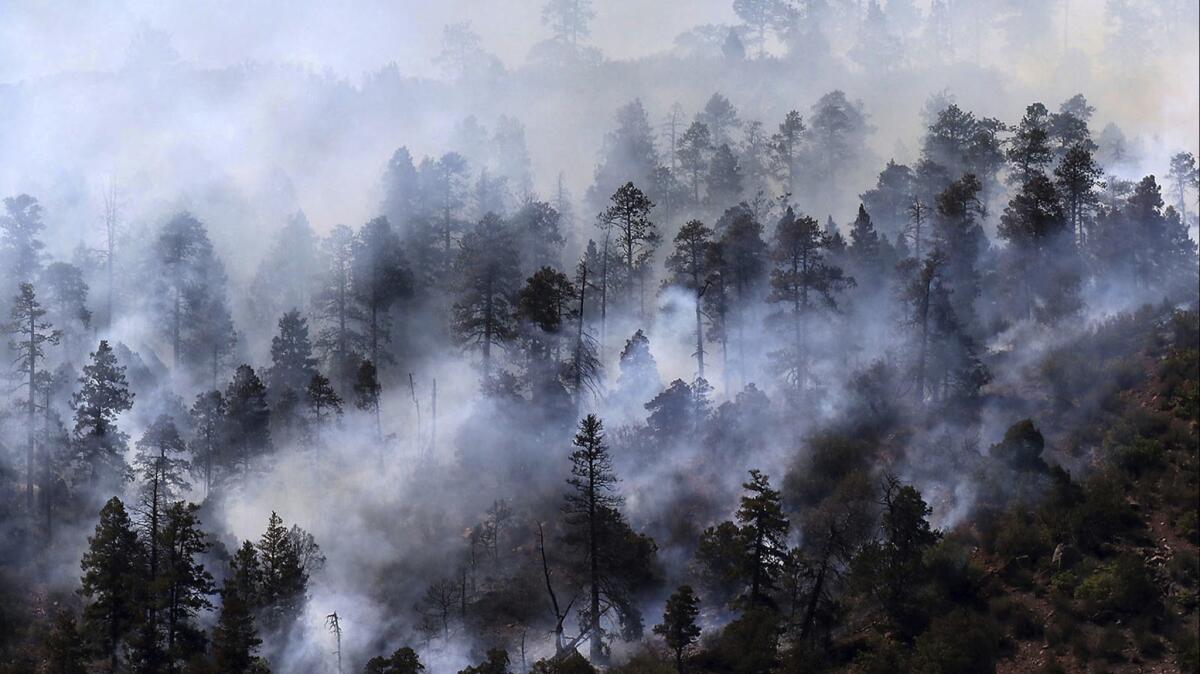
[[766, 353]]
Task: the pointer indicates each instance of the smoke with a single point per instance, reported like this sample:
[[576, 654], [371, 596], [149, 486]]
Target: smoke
[[248, 113]]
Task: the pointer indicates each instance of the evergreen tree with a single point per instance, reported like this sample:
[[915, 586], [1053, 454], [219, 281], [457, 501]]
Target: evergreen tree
[[66, 301], [282, 591], [889, 201], [694, 148], [1076, 177], [380, 278], [248, 417], [402, 661], [629, 155], [338, 340], [64, 650], [958, 235], [285, 277], [112, 581], [1040, 251], [688, 264], [721, 118], [891, 571], [1029, 150], [29, 335], [544, 308], [322, 399], [103, 395], [209, 439], [628, 219], [292, 361], [568, 20], [592, 495], [235, 638], [678, 628], [20, 247], [537, 233], [764, 529], [742, 264], [160, 463], [488, 271], [724, 180], [190, 292], [182, 583], [801, 281], [367, 391], [402, 190], [761, 16], [786, 144], [638, 378], [1184, 177]]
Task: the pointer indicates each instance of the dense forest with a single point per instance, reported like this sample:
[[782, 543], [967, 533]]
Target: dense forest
[[843, 336]]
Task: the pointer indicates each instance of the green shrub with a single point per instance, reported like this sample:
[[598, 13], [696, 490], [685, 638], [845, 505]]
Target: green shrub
[[1139, 457], [960, 641], [1122, 586], [1111, 644], [1187, 649], [1188, 525]]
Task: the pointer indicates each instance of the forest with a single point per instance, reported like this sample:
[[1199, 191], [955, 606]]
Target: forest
[[813, 336]]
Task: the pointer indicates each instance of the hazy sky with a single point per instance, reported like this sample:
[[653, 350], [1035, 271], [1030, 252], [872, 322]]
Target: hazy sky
[[38, 39]]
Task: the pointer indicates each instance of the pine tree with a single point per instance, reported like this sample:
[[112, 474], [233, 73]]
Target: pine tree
[[103, 395], [284, 580], [544, 309], [764, 529], [959, 236], [402, 661], [285, 278], [785, 151], [30, 334], [628, 218], [866, 251], [537, 231], [64, 650], [889, 201], [1029, 150], [292, 361], [112, 581], [688, 263], [183, 585], [1040, 251], [694, 148], [488, 270], [742, 265], [891, 571], [1076, 178], [724, 180], [209, 435], [323, 401], [367, 391], [678, 628], [380, 278], [20, 247], [235, 638], [190, 292], [66, 301], [248, 417], [593, 491], [160, 462], [338, 339], [1184, 177], [801, 281]]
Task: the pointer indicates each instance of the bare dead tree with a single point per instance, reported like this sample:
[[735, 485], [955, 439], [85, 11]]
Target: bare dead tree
[[335, 626]]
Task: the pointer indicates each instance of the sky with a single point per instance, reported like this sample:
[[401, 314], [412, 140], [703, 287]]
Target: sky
[[41, 39]]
